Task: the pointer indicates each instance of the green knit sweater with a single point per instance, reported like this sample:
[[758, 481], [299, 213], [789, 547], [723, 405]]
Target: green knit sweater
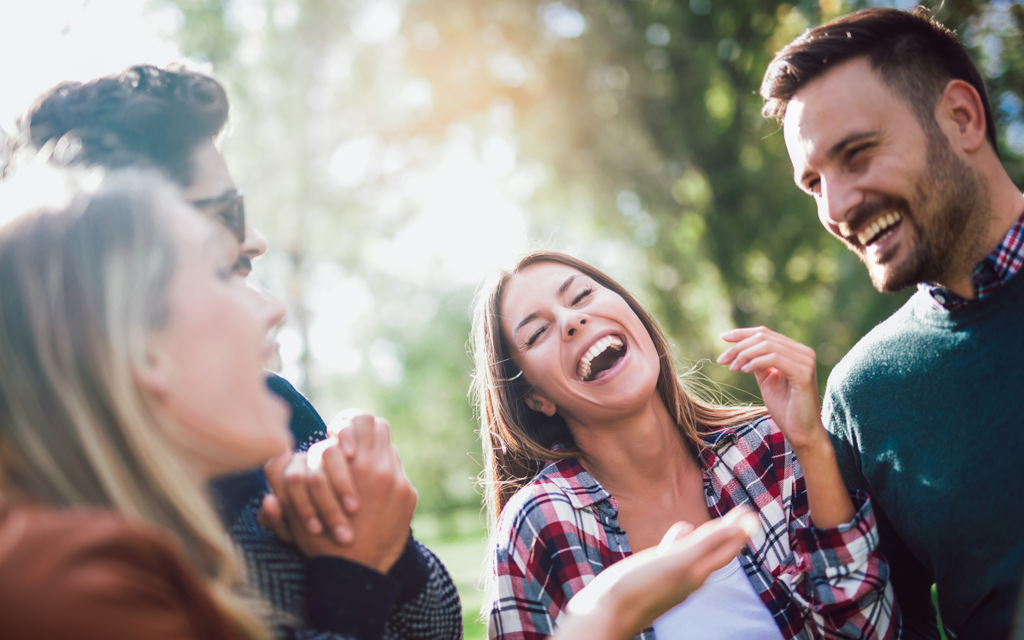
[[926, 413]]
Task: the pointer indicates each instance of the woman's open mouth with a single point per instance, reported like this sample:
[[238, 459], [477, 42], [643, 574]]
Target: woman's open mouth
[[600, 357]]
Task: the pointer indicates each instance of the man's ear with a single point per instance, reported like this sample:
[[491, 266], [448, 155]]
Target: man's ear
[[960, 108], [540, 404]]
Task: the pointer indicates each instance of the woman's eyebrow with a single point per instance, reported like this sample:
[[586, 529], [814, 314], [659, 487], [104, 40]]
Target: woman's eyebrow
[[565, 285], [524, 321]]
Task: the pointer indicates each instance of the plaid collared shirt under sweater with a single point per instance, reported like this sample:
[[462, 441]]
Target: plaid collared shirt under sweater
[[990, 274], [562, 529]]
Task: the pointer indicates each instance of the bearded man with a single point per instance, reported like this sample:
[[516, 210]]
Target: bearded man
[[889, 129]]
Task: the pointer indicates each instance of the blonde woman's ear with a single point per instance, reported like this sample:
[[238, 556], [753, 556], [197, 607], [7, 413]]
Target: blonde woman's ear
[[154, 373], [540, 404]]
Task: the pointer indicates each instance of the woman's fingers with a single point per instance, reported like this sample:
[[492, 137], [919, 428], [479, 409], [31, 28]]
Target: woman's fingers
[[712, 545], [744, 337], [677, 531], [273, 471], [793, 359], [271, 517]]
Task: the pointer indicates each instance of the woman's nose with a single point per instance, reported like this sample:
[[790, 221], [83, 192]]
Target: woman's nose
[[572, 322]]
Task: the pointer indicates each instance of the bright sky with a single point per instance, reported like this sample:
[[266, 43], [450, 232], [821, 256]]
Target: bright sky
[[46, 42]]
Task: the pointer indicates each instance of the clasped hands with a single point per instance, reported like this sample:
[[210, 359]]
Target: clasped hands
[[347, 496]]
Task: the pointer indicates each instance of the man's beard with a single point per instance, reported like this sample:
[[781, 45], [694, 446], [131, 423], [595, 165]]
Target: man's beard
[[947, 215]]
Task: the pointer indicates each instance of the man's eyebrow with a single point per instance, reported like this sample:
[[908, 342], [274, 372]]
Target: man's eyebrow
[[533, 316], [838, 147]]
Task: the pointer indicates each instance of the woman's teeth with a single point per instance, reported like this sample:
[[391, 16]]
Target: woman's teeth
[[608, 341], [876, 228]]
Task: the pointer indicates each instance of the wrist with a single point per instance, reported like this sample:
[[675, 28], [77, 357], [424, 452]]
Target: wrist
[[813, 447], [601, 623], [611, 612]]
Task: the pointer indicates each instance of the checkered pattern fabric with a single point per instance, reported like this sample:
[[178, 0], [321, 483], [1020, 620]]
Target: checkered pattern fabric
[[998, 267], [562, 529]]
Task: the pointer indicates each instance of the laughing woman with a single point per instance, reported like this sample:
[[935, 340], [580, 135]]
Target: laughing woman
[[594, 449]]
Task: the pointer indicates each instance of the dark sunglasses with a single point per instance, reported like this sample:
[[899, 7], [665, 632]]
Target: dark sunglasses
[[231, 211]]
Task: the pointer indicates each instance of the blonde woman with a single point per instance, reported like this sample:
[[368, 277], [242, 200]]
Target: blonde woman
[[594, 450], [131, 375]]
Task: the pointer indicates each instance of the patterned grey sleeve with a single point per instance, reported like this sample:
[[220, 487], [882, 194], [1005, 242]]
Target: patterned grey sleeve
[[433, 614]]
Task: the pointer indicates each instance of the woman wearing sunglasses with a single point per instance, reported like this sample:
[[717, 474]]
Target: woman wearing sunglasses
[[594, 449]]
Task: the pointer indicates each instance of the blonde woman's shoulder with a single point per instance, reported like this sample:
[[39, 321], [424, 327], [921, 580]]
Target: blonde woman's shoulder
[[91, 574]]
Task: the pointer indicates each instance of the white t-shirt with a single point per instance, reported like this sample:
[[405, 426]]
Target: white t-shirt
[[726, 607]]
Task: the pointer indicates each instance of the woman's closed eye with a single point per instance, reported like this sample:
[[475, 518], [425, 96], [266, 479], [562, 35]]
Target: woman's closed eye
[[535, 336], [582, 295]]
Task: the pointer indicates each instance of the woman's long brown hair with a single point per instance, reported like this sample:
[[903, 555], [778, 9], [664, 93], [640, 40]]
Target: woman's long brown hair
[[518, 441]]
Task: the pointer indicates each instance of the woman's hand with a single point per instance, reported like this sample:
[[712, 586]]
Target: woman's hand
[[631, 593], [305, 489], [786, 373]]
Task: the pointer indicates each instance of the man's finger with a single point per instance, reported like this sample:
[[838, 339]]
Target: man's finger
[[363, 431], [328, 506], [347, 441], [296, 493], [382, 436]]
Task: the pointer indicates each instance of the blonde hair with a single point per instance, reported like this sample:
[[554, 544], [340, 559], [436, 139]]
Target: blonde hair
[[83, 287], [518, 441]]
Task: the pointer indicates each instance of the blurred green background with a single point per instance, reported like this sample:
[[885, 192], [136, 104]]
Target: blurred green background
[[395, 152]]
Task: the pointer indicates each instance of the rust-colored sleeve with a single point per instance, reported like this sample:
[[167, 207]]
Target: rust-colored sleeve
[[90, 575]]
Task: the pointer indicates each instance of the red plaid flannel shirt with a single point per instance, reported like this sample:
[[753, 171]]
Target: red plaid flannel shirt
[[994, 271], [562, 529]]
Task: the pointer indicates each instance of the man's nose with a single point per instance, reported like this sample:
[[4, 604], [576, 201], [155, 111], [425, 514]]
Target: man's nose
[[836, 204], [255, 244]]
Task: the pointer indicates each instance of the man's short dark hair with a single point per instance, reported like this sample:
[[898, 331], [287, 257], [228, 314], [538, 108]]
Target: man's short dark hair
[[144, 116], [914, 54]]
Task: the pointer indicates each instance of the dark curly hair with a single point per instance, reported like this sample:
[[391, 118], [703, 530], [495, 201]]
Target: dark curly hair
[[144, 116]]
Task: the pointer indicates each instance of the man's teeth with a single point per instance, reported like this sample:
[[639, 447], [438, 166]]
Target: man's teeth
[[880, 224], [594, 351]]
